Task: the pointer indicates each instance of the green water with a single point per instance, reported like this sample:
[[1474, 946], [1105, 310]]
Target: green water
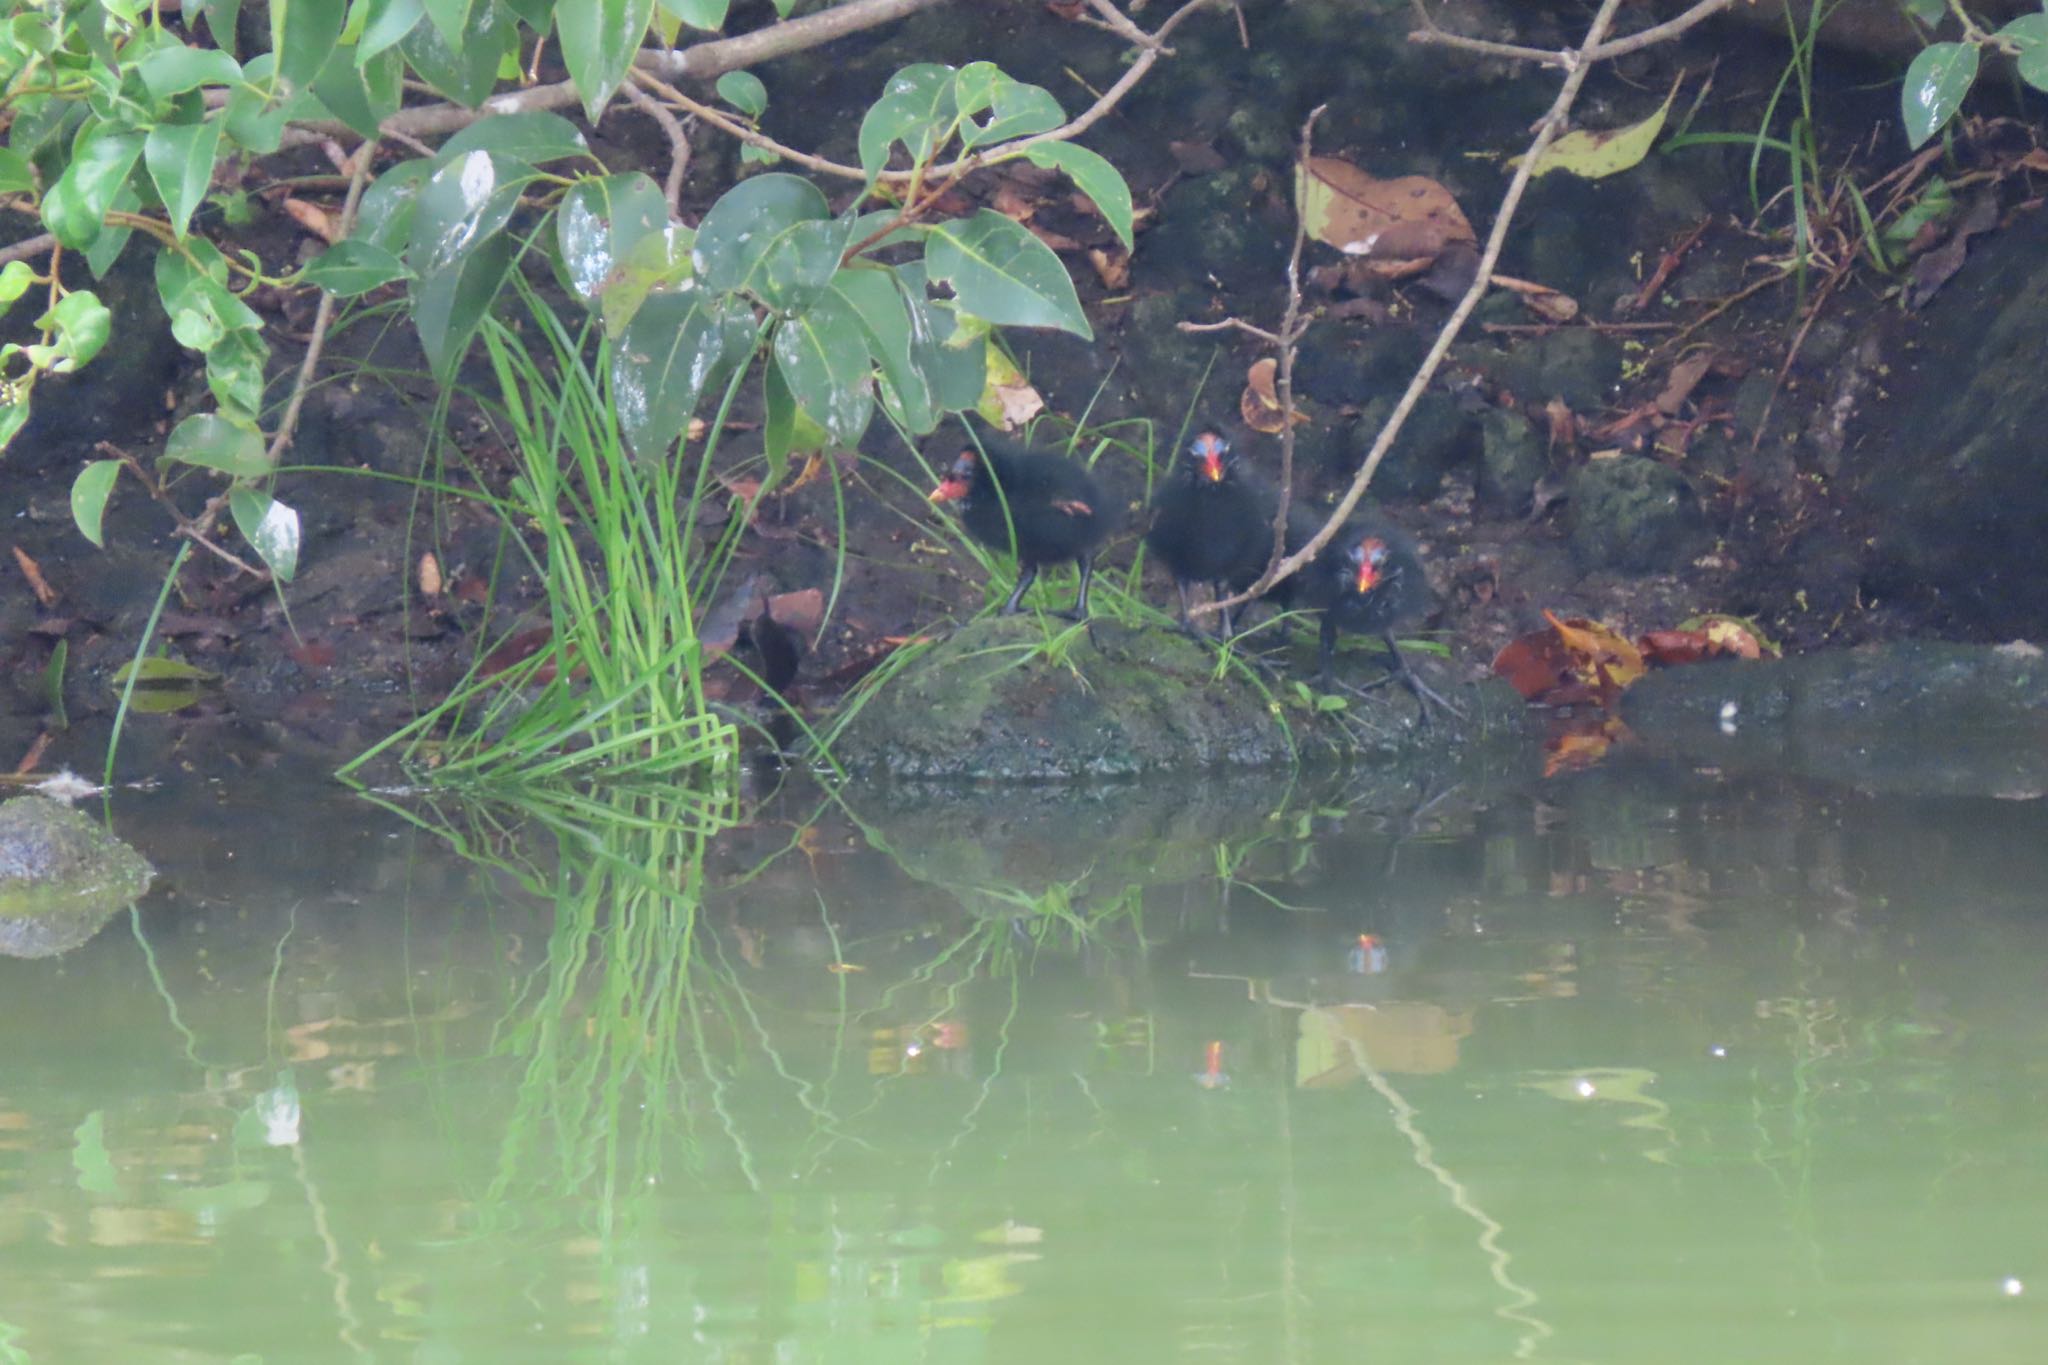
[[1635, 1068]]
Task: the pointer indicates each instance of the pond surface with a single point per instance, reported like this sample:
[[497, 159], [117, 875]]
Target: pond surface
[[1642, 1067]]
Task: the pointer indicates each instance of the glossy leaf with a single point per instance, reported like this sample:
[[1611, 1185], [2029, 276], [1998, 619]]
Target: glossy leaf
[[1094, 177], [743, 91], [462, 205], [538, 15], [778, 421], [954, 364], [2029, 34], [465, 72], [535, 137], [1000, 272], [182, 285], [172, 70], [270, 527], [451, 17], [1934, 88], [704, 14], [254, 121], [80, 324], [798, 265], [599, 223], [916, 109], [1012, 108], [180, 160], [676, 347], [449, 303], [824, 356], [13, 416], [102, 251], [302, 36], [745, 223], [362, 95], [877, 304], [386, 23], [212, 442], [354, 266], [15, 279], [386, 212], [17, 175], [660, 262], [89, 494], [76, 207], [234, 374], [599, 39]]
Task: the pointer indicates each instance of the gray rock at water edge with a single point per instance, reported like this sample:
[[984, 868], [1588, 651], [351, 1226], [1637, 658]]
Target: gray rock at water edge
[[61, 876]]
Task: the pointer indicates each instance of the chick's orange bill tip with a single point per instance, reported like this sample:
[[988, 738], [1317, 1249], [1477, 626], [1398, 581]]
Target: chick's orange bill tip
[[950, 489]]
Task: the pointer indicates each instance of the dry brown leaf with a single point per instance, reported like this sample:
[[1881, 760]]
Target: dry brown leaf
[[1685, 377], [1549, 304], [45, 594], [430, 580], [1399, 225], [313, 219], [1113, 268]]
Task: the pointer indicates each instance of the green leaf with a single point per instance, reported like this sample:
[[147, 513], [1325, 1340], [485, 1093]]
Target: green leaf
[[467, 71], [175, 69], [234, 374], [451, 17], [877, 302], [1928, 12], [180, 159], [449, 303], [89, 494], [916, 109], [211, 441], [253, 120], [302, 36], [745, 223], [194, 281], [1094, 177], [535, 138], [354, 266], [102, 251], [17, 175], [743, 91], [386, 212], [824, 356], [778, 421], [797, 265], [76, 207], [1000, 272], [2029, 34], [463, 204], [599, 223], [221, 16], [704, 14], [677, 346], [15, 279], [388, 23], [599, 38], [539, 15], [362, 95], [1935, 85], [13, 415], [655, 263], [1014, 109], [82, 325], [270, 526], [953, 363]]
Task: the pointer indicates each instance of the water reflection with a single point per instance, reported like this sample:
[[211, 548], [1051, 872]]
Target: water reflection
[[1643, 1067]]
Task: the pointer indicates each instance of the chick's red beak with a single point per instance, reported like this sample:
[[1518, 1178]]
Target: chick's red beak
[[1212, 465], [950, 489], [1367, 574]]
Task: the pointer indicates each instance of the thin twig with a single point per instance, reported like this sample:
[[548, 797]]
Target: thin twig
[[28, 247], [191, 528], [323, 316], [1428, 32], [678, 144]]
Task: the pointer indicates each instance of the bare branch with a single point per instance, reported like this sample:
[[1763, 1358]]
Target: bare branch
[[323, 316], [678, 144], [1428, 32], [27, 248]]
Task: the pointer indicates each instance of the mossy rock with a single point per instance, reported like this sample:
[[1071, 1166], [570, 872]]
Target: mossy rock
[[1635, 515], [1029, 698], [61, 876]]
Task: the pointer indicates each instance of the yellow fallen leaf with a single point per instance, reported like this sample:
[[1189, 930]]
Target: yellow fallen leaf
[[1594, 155]]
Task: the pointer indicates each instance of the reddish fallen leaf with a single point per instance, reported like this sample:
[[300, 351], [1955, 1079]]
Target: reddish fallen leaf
[[1196, 158], [1684, 378], [33, 758], [1259, 405], [311, 654], [516, 649], [1667, 648], [802, 611], [1581, 742], [1058, 241]]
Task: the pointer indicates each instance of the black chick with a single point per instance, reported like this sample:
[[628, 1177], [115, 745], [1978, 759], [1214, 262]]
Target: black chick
[[1370, 580], [1040, 507], [1211, 522]]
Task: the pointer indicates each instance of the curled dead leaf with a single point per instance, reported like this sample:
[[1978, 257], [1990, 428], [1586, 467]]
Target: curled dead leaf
[[1113, 268], [1549, 304], [1259, 404], [313, 219]]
